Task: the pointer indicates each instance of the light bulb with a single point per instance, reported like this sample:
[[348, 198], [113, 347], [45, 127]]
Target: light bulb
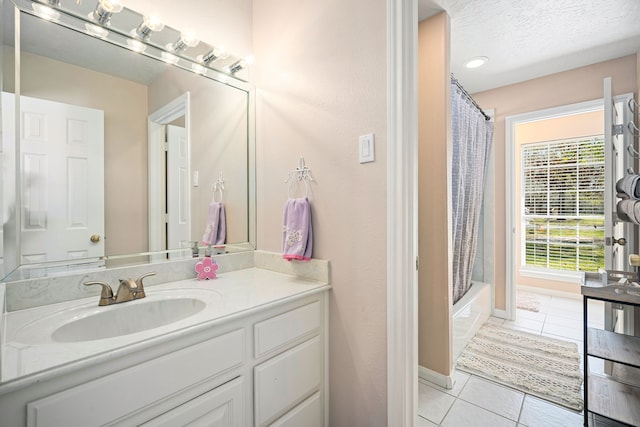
[[104, 10], [169, 58], [209, 57], [240, 64], [136, 46], [149, 24], [45, 12], [198, 69], [113, 6], [189, 39], [96, 31], [237, 66], [186, 40]]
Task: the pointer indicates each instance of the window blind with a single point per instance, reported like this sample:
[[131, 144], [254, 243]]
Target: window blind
[[563, 204]]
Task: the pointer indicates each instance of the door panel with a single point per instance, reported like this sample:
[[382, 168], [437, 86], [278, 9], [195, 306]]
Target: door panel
[[60, 210], [178, 201]]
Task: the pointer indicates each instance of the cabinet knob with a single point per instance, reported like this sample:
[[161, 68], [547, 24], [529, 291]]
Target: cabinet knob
[[95, 238]]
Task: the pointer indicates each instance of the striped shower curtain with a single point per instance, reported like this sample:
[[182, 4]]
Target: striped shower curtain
[[472, 136]]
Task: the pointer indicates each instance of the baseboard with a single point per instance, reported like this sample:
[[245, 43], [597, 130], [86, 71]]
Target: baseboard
[[444, 381], [502, 314]]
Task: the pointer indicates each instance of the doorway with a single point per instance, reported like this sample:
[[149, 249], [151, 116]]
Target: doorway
[[169, 178], [559, 185]]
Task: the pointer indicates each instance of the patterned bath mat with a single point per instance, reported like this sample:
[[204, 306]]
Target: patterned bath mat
[[541, 366], [527, 301]]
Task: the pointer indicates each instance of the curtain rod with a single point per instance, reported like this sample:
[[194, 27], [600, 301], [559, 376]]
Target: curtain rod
[[469, 97]]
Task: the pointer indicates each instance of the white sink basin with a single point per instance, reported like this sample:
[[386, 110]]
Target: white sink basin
[[127, 318], [160, 312]]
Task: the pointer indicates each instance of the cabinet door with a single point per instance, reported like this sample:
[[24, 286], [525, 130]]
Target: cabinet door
[[286, 380], [220, 407], [307, 414]]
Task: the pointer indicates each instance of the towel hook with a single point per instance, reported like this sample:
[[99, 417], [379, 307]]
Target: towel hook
[[303, 171], [633, 128], [632, 151], [633, 104], [218, 187], [300, 174]]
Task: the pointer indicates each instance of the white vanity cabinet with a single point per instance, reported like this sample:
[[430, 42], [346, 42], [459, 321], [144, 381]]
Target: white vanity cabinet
[[259, 367]]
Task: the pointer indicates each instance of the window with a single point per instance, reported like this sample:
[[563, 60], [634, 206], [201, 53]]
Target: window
[[563, 209]]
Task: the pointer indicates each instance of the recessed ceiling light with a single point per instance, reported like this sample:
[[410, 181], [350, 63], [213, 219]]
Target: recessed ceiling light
[[475, 62]]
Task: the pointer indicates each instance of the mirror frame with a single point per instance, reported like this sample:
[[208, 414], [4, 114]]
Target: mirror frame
[[12, 269]]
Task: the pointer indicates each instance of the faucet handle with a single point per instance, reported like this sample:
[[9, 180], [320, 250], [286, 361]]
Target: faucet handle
[[139, 279], [106, 296]]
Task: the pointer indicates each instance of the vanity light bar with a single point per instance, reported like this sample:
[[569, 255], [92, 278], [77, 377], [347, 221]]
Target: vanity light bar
[[100, 20]]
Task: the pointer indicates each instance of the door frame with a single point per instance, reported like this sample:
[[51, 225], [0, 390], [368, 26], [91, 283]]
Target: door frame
[[177, 108], [402, 205], [512, 197]]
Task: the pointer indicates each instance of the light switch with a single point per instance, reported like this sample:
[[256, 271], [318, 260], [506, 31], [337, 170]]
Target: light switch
[[367, 148], [195, 181]]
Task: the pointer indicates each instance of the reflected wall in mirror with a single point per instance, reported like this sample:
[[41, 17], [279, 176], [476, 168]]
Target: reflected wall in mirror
[[65, 75]]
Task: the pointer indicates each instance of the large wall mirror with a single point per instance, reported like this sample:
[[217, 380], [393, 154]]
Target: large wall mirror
[[120, 142]]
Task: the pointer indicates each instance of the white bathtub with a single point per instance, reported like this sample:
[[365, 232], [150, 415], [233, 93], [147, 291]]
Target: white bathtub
[[469, 313]]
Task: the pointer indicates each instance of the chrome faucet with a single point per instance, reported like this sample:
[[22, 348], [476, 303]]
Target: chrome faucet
[[127, 291]]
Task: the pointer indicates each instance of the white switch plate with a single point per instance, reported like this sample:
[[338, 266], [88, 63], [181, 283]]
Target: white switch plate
[[367, 148]]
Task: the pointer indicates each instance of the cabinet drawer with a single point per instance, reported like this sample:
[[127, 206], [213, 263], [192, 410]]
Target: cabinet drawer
[[286, 328], [307, 414], [220, 407], [286, 380], [114, 396]]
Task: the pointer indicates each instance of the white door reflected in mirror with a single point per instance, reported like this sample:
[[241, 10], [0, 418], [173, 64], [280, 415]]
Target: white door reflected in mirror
[[178, 212], [59, 211]]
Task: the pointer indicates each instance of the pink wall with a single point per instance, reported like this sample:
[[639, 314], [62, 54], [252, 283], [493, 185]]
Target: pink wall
[[569, 87], [320, 74]]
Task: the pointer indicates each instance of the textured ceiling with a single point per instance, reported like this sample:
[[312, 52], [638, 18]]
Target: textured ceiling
[[525, 39]]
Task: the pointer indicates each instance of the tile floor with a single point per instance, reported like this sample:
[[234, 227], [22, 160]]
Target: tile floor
[[476, 402]]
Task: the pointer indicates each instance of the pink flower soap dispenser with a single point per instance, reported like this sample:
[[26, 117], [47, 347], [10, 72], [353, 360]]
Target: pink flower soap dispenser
[[206, 268]]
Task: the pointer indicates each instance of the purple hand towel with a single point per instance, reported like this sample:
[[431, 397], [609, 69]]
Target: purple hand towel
[[216, 231], [297, 235]]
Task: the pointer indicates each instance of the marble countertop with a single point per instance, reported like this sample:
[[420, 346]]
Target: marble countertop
[[29, 356]]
